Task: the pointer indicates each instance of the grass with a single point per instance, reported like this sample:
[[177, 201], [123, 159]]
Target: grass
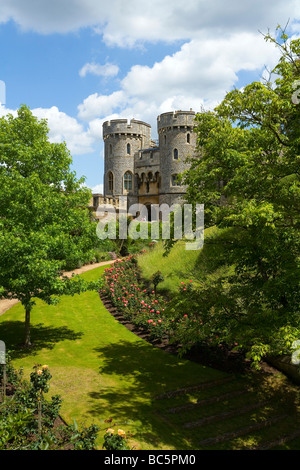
[[104, 373], [108, 376], [180, 265], [204, 266], [175, 267]]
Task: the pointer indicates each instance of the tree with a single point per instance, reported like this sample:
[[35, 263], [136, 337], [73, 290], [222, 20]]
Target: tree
[[247, 176], [44, 219]]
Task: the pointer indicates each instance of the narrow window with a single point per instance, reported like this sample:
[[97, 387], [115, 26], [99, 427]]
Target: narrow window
[[165, 139], [175, 154], [128, 149], [175, 181], [188, 138], [110, 149], [128, 181], [110, 181]]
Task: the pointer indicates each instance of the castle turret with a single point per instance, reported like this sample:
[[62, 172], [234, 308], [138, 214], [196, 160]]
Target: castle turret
[[177, 141], [122, 139]]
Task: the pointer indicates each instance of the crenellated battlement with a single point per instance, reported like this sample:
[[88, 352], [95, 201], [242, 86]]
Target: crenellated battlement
[[125, 127], [175, 119], [137, 166]]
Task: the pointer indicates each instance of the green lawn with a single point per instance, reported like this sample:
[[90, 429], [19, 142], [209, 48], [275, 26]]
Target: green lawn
[[100, 368], [180, 264], [176, 267]]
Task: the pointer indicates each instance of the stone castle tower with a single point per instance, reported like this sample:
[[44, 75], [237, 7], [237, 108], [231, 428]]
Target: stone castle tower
[[145, 170]]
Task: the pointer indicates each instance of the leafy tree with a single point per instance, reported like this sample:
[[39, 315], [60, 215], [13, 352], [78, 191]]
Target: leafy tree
[[247, 176], [44, 219]]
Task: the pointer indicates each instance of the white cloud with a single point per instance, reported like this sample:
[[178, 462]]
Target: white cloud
[[197, 75], [128, 23], [107, 70], [96, 105], [221, 39], [66, 128], [98, 189], [5, 111]]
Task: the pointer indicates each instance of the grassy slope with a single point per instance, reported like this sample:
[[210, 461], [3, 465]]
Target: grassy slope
[[101, 369], [179, 265], [175, 267], [200, 266]]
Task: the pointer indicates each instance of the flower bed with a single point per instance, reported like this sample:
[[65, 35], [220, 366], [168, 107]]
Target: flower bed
[[178, 321], [137, 303]]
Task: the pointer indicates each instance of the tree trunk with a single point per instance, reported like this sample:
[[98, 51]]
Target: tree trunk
[[27, 342]]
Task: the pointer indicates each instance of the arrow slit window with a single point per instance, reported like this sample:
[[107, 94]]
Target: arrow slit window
[[128, 181]]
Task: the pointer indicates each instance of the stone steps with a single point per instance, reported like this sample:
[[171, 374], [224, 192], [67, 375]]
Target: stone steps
[[277, 442], [224, 415], [194, 388], [206, 401], [232, 413], [241, 432]]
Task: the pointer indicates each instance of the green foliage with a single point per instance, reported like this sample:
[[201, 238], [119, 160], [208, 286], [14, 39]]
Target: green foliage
[[115, 441], [101, 256], [83, 439], [247, 177], [45, 226], [134, 300], [40, 379], [156, 279], [18, 418], [14, 424]]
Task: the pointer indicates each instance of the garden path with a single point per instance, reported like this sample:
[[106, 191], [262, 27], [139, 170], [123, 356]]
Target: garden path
[[5, 304]]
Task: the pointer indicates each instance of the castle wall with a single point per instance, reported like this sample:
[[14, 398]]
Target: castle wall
[[177, 142], [128, 147], [122, 139]]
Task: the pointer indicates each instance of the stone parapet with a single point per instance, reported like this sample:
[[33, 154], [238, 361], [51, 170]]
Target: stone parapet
[[123, 126]]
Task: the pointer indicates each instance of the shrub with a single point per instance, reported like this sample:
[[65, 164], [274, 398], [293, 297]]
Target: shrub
[[137, 303], [115, 441], [19, 428]]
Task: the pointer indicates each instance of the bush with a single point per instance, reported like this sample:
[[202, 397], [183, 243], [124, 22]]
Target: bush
[[101, 255], [115, 441], [19, 428], [137, 303]]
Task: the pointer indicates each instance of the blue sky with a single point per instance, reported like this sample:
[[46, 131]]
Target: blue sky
[[79, 63]]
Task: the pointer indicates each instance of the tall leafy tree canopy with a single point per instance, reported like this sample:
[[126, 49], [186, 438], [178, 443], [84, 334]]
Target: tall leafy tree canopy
[[44, 217], [247, 177]]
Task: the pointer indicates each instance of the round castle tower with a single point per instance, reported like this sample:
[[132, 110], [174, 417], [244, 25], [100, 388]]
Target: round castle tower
[[177, 141], [122, 139]]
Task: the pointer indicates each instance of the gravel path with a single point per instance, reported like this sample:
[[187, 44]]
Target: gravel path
[[5, 304]]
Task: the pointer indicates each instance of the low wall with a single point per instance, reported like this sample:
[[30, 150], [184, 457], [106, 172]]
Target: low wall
[[284, 364]]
